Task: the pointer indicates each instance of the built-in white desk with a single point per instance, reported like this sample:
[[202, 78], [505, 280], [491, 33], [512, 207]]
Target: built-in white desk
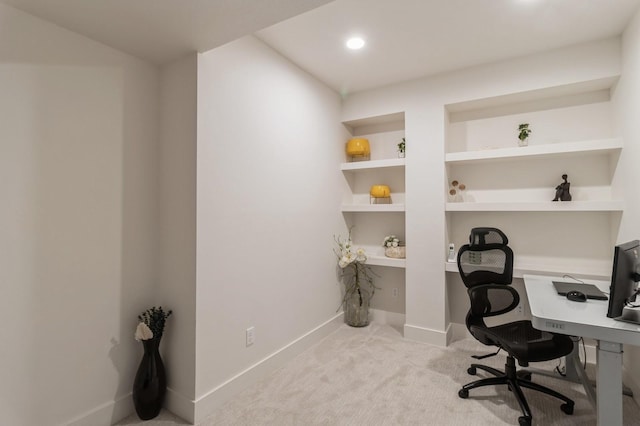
[[552, 312]]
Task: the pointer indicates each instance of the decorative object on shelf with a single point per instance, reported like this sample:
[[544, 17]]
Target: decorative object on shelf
[[150, 383], [393, 247], [451, 257], [523, 134], [355, 276], [562, 190], [455, 191], [358, 149], [380, 194], [401, 146]]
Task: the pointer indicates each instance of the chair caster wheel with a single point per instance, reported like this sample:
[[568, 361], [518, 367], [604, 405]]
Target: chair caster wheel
[[472, 371], [524, 421], [567, 408], [463, 393]]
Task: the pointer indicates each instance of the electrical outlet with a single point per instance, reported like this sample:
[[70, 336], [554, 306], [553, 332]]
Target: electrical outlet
[[520, 310], [250, 335], [394, 292]]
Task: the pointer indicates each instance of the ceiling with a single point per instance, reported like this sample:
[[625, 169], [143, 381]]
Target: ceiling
[[161, 31], [406, 39]]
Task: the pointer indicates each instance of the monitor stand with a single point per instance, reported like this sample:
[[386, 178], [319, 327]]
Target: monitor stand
[[631, 315]]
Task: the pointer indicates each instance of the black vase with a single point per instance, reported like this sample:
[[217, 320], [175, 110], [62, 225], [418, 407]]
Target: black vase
[[150, 384]]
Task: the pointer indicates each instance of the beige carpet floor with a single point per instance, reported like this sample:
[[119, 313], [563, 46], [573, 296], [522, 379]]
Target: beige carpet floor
[[372, 376]]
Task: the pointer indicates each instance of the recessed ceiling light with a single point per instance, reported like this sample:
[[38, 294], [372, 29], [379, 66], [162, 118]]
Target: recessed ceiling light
[[355, 43]]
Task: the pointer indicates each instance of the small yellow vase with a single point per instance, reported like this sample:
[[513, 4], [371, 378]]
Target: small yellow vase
[[380, 191], [358, 147]]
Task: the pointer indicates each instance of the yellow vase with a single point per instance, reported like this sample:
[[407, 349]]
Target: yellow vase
[[358, 147], [380, 191]]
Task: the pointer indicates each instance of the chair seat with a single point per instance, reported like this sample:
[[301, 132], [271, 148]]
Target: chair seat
[[525, 343]]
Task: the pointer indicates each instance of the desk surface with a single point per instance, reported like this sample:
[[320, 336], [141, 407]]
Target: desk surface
[[552, 312]]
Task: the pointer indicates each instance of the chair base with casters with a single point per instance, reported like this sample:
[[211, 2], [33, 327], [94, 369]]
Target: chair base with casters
[[515, 380]]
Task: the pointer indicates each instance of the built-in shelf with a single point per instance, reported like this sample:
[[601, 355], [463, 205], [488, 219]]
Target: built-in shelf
[[384, 168], [543, 206], [396, 120], [373, 164], [594, 272], [375, 256], [510, 187], [364, 208], [597, 146], [386, 261]]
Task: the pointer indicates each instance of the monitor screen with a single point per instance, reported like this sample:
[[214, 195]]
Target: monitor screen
[[625, 264]]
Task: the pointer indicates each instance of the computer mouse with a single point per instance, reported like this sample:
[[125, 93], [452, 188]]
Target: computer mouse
[[576, 296]]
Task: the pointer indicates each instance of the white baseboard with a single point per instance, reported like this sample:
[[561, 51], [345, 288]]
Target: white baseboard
[[459, 331], [389, 318], [112, 412], [195, 411], [206, 404], [179, 405], [106, 414], [426, 335], [191, 411]]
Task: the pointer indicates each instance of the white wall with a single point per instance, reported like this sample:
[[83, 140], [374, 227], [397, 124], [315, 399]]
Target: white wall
[[78, 126], [177, 262], [423, 102], [88, 240], [627, 102], [269, 190]]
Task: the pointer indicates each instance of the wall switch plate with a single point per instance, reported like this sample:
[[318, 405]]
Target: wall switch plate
[[394, 292], [250, 335]]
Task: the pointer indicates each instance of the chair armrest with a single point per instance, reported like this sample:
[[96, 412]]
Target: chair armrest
[[488, 300]]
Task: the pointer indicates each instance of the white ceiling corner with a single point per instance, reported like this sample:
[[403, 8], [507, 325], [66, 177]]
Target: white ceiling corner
[[406, 39]]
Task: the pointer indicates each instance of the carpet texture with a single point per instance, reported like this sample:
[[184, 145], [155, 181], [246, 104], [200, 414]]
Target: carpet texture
[[372, 376]]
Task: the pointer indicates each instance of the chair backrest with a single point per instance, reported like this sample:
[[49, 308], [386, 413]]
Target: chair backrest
[[486, 268], [487, 259]]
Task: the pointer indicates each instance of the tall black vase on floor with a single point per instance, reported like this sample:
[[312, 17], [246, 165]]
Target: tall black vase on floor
[[150, 384]]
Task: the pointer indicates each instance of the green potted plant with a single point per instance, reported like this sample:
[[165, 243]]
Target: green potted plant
[[523, 134], [401, 148]]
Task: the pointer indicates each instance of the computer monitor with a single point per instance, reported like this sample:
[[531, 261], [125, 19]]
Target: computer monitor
[[624, 276]]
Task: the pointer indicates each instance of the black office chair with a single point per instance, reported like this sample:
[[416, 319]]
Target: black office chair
[[486, 268]]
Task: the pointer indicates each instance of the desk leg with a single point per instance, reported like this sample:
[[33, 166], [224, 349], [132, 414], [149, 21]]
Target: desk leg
[[576, 373], [572, 363], [608, 383]]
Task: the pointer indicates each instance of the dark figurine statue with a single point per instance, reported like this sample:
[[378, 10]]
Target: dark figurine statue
[[562, 190]]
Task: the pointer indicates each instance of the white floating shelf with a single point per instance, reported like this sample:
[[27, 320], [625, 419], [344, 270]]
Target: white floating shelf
[[543, 206], [386, 261], [520, 269], [373, 207], [597, 146], [373, 164]]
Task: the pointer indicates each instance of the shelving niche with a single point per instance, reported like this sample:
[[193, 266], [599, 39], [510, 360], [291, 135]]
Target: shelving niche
[[370, 223], [511, 187]]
